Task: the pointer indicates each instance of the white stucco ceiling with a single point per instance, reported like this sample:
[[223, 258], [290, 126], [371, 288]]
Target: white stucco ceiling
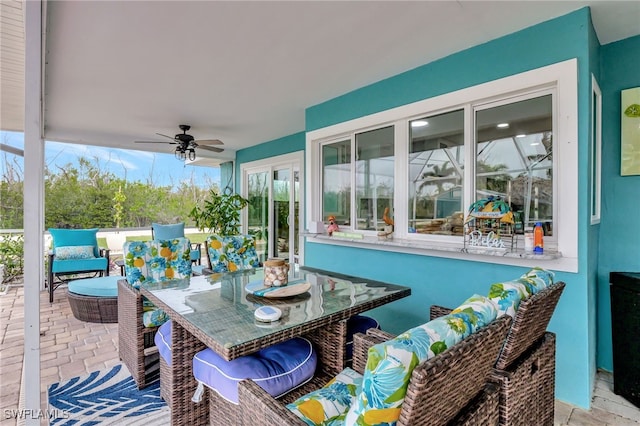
[[244, 72]]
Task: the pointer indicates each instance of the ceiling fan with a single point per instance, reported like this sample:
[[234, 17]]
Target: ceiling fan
[[186, 144]]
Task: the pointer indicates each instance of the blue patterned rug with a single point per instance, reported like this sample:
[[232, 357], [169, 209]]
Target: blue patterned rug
[[104, 398]]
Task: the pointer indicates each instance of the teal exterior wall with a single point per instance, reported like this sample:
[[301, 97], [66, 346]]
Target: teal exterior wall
[[280, 146], [619, 228], [447, 281], [226, 176]]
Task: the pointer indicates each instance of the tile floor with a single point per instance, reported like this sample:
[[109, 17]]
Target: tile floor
[[71, 348]]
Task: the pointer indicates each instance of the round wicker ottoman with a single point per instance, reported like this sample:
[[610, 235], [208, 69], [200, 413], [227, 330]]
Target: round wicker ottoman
[[94, 299]]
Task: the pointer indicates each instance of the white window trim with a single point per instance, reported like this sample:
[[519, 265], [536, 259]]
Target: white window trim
[[563, 76], [596, 151], [269, 165]]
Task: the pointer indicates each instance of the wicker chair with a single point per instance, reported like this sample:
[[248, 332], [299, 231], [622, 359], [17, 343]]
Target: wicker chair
[[136, 345], [525, 367], [450, 388]]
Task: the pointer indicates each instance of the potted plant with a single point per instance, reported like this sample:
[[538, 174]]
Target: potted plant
[[220, 213]]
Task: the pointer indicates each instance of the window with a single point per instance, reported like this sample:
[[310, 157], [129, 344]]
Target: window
[[374, 177], [514, 159], [436, 163], [336, 181], [430, 160]]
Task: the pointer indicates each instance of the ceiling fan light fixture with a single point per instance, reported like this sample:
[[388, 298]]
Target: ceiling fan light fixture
[[192, 154], [180, 154]]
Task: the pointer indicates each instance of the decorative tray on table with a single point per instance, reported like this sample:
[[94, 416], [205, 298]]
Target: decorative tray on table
[[293, 288]]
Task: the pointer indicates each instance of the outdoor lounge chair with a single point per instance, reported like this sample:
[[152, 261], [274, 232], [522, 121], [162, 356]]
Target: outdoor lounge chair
[[138, 319], [74, 252], [449, 388]]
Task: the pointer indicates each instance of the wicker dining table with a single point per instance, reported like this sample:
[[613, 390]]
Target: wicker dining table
[[217, 311]]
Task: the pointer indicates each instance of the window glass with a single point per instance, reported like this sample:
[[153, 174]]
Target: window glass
[[436, 164], [514, 159], [374, 177], [336, 182], [258, 219]]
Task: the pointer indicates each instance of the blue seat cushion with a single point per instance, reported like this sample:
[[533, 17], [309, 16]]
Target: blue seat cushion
[[162, 340], [99, 286], [277, 369], [358, 324], [77, 265]]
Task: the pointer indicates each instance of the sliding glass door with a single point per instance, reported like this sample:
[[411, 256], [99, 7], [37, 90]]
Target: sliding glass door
[[273, 187]]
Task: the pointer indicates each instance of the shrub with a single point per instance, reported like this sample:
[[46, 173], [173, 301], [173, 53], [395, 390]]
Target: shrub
[[12, 256]]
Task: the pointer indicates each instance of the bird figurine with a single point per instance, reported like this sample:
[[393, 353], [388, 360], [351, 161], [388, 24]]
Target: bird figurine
[[333, 226], [386, 218]]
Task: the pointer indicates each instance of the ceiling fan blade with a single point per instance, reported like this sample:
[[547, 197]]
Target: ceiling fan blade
[[170, 143], [210, 148], [209, 142], [170, 137]]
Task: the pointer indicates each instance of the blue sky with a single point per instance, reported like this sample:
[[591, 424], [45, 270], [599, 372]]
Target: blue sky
[[164, 169]]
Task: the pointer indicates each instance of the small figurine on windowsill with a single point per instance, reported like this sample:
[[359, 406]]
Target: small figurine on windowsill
[[333, 226]]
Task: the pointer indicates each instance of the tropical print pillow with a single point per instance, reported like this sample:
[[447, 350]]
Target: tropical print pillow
[[231, 253], [508, 296], [329, 405], [480, 311], [74, 252], [172, 259], [537, 279], [154, 317], [390, 364], [157, 260]]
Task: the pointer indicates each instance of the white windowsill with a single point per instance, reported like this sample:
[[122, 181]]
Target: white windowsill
[[550, 259]]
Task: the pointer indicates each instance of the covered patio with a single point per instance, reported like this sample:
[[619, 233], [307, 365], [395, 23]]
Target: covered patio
[[262, 86]]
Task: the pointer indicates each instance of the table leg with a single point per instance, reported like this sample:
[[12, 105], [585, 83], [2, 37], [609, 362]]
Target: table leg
[[183, 410], [330, 342]]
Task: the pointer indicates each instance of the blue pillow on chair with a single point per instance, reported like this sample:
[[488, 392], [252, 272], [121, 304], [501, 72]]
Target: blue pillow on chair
[[167, 232]]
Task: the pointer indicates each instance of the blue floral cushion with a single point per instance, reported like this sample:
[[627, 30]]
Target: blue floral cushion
[[329, 404], [231, 253], [157, 260], [390, 364], [537, 279], [479, 311], [508, 296], [74, 252], [154, 317]]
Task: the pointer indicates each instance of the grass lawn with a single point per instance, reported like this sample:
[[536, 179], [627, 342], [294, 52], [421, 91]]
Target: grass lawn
[[194, 238]]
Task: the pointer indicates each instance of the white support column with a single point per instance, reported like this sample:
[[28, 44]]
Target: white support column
[[33, 207]]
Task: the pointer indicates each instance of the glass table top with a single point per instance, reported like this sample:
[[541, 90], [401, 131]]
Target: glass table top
[[220, 307]]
